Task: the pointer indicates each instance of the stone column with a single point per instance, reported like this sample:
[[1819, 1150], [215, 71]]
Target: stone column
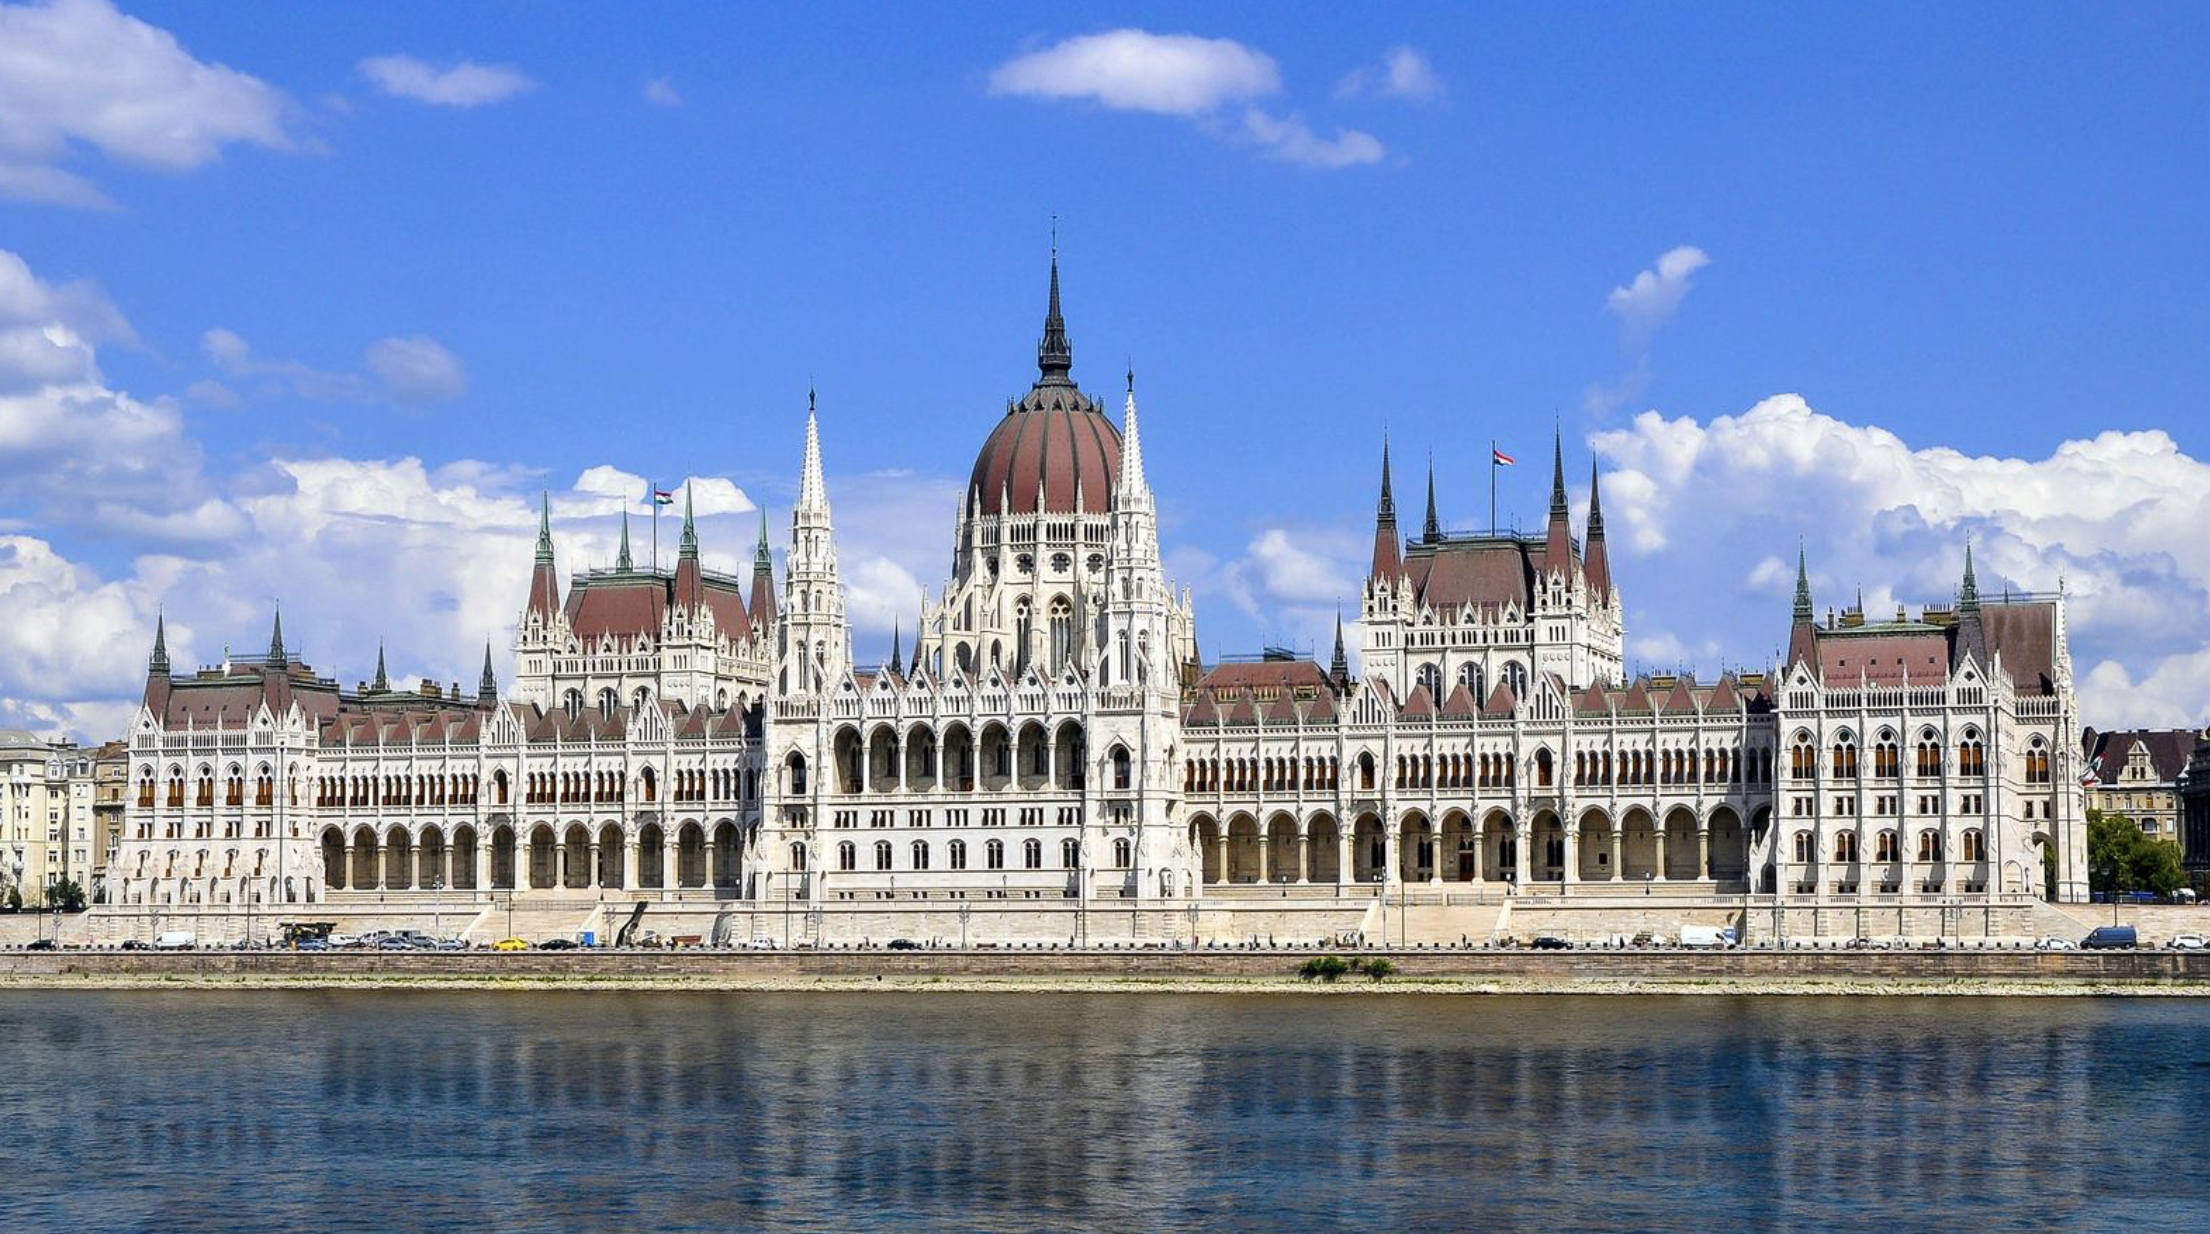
[[1703, 852], [1265, 853], [1343, 869], [1522, 859], [1390, 843], [1434, 834], [349, 868], [633, 863], [1618, 852], [521, 860], [445, 862], [1572, 855], [381, 860], [1220, 845], [592, 880], [1658, 837], [1304, 856]]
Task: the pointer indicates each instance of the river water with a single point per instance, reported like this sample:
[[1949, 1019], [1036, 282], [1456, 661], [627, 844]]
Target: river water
[[437, 1111]]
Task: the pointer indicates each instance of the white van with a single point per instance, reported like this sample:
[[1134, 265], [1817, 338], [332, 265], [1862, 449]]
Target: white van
[[175, 940], [1707, 936]]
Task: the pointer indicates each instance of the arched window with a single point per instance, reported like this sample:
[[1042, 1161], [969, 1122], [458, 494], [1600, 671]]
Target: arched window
[[572, 703], [1929, 845], [1805, 854], [955, 855], [882, 854], [2037, 762], [1887, 758], [1803, 761], [1973, 849], [1845, 846], [847, 856], [1122, 854], [1971, 755], [1062, 633], [794, 770], [798, 859], [1121, 768], [1515, 676], [920, 855], [1886, 848], [1032, 854], [1431, 677], [1475, 681], [1545, 775], [1929, 754], [1366, 772], [1070, 853], [993, 855], [1845, 756], [1021, 625]]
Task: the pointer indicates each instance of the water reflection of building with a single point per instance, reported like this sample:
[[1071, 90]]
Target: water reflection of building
[[1054, 740]]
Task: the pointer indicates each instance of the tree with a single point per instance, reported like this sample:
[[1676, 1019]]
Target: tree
[[66, 895], [2120, 859]]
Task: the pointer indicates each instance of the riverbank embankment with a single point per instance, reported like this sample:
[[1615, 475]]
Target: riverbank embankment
[[1411, 971]]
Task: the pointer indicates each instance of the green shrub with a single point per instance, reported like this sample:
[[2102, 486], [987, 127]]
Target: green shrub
[[1324, 968], [1379, 969]]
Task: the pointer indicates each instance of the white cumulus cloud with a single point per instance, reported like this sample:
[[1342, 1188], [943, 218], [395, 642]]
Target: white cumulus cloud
[[464, 83], [80, 73], [2114, 519], [1290, 139], [1135, 70]]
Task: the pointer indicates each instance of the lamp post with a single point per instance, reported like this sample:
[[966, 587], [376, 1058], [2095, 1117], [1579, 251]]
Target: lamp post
[[437, 907]]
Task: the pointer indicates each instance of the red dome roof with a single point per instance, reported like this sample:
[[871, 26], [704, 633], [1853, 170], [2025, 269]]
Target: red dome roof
[[1059, 439], [1053, 442]]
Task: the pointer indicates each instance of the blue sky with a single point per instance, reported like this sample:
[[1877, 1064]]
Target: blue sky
[[1972, 244]]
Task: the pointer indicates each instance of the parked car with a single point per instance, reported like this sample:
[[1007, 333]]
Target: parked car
[[175, 940], [2111, 938], [339, 941], [450, 944], [904, 944], [762, 942], [1707, 936], [312, 944], [135, 944], [2053, 943], [510, 944], [39, 944], [558, 944], [1551, 942], [2190, 942], [395, 942]]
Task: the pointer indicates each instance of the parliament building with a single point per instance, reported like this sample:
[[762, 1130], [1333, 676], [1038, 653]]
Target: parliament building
[[1053, 761]]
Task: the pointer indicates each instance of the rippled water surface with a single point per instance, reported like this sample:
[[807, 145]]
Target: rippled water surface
[[416, 1111]]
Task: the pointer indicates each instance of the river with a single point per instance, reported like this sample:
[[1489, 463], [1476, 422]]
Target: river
[[461, 1111]]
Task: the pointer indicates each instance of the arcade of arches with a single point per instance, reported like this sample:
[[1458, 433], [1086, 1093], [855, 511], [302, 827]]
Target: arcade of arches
[[1457, 848], [574, 856]]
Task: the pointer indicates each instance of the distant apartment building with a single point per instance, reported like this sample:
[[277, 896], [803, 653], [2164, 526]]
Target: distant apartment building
[[2136, 773], [110, 782], [47, 834], [2194, 804]]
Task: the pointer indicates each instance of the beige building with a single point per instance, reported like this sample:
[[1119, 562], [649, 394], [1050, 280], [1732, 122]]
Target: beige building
[[47, 834], [2136, 773], [110, 783]]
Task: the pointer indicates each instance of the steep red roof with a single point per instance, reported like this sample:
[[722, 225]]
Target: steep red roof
[[1884, 656], [2024, 633], [1480, 572]]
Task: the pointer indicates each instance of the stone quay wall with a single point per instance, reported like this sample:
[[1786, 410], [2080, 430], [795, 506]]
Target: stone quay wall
[[1742, 969]]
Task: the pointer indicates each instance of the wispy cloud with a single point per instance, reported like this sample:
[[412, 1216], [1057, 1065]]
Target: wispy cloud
[[1646, 304], [413, 371], [661, 92], [461, 84], [1402, 74]]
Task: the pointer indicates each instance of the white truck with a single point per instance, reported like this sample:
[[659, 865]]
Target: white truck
[[1707, 936], [175, 940]]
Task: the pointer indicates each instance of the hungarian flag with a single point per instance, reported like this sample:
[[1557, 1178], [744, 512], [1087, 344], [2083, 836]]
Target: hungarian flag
[[662, 497], [1502, 459]]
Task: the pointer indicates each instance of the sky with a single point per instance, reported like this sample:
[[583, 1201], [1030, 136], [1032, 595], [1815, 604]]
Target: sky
[[308, 305]]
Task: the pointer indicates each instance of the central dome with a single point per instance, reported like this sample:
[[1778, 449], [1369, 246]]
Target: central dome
[[1055, 452]]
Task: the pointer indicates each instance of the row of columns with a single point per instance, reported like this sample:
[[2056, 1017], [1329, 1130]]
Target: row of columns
[[633, 850]]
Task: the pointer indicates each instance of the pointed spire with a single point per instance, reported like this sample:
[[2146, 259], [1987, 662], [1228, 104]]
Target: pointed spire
[[277, 658], [1054, 355], [763, 561], [1339, 666], [382, 683], [1131, 446], [690, 525], [157, 665], [621, 559], [1595, 560], [1388, 559], [544, 526], [1558, 548], [897, 647], [1803, 585], [1968, 599], [1433, 529], [487, 687], [1557, 475], [544, 581], [812, 489]]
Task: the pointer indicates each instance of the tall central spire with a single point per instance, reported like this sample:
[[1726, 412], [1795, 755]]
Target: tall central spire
[[1054, 355], [813, 491], [1432, 530]]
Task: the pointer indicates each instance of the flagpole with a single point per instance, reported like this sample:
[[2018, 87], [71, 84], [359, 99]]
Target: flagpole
[[652, 494], [1492, 486]]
